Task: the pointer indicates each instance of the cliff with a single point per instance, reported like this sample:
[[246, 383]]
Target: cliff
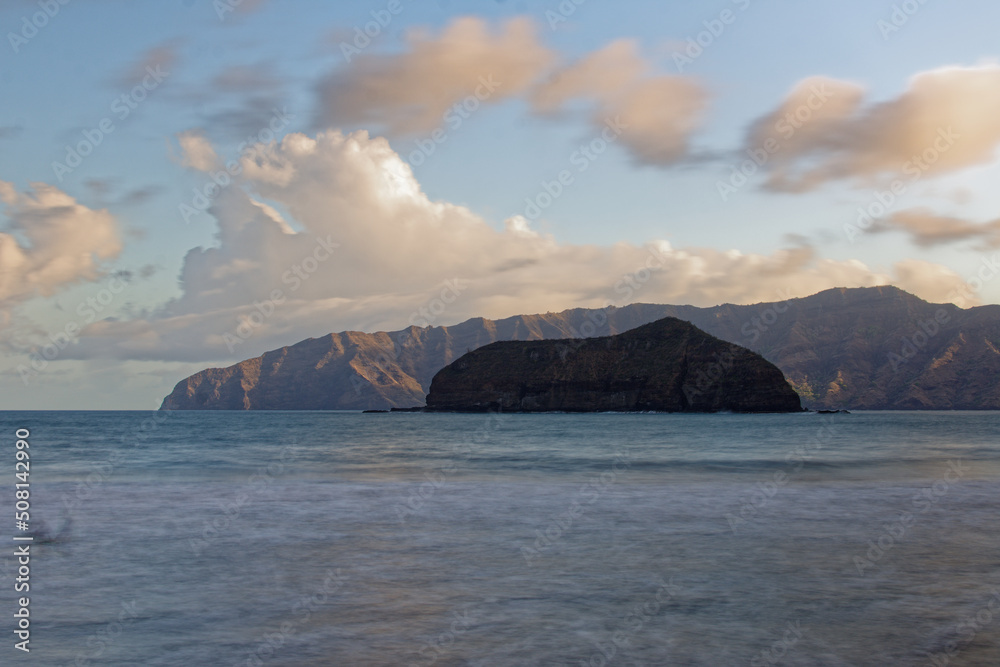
[[668, 365], [864, 348]]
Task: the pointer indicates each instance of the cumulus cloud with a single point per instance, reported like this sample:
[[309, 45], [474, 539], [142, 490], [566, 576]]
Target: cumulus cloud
[[411, 91], [928, 229], [369, 250], [196, 151], [946, 120], [51, 241], [657, 114]]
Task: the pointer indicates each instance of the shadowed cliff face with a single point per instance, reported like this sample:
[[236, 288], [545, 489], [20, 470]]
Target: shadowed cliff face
[[669, 365], [866, 348]]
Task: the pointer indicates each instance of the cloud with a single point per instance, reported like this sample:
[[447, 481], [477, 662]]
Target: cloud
[[51, 241], [946, 120], [161, 57], [658, 114], [238, 101], [140, 195], [928, 229], [411, 92], [196, 151], [246, 78], [245, 7], [933, 282], [654, 116], [250, 116], [371, 250], [603, 75]]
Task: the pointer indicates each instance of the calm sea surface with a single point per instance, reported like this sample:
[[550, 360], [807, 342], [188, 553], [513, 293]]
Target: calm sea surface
[[309, 538]]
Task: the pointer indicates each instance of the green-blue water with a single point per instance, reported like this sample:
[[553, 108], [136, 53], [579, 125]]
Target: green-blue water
[[298, 538]]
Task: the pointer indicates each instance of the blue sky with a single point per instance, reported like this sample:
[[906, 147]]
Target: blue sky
[[341, 167]]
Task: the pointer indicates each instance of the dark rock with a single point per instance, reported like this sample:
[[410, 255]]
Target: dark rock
[[667, 366]]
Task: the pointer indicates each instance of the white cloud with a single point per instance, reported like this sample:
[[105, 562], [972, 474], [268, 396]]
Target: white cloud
[[946, 120], [414, 91], [51, 241], [603, 75], [395, 250], [933, 282], [196, 151], [658, 114], [411, 92], [928, 229]]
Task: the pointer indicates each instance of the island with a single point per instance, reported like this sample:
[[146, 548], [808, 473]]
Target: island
[[666, 366]]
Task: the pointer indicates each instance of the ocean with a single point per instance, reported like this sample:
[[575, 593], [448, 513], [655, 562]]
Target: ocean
[[341, 538]]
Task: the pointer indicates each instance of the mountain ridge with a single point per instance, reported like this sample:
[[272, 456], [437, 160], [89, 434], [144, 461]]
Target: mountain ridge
[[835, 347]]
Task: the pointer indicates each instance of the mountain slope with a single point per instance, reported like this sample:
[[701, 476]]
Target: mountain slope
[[865, 348]]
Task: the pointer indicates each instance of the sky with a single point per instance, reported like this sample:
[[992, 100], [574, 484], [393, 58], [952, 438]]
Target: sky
[[189, 183]]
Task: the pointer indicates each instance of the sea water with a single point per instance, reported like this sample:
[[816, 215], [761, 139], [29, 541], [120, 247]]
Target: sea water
[[326, 538]]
